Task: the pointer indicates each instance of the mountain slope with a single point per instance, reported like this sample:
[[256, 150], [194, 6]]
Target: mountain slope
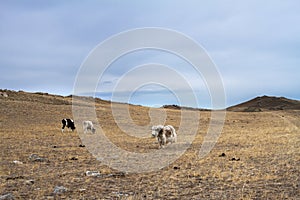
[[265, 103]]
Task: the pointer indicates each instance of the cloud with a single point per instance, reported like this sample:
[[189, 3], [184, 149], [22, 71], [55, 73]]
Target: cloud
[[254, 44]]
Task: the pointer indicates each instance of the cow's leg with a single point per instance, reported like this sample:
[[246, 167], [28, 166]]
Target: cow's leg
[[67, 125], [63, 127]]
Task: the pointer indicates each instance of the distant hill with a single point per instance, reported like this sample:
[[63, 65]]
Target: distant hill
[[44, 98], [177, 107], [35, 97], [265, 103], [258, 104]]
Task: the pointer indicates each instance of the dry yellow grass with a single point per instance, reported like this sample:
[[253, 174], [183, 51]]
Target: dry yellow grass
[[265, 146]]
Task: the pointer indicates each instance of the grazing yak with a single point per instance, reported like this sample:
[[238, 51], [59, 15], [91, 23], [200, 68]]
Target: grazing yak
[[69, 123], [164, 134], [88, 125]]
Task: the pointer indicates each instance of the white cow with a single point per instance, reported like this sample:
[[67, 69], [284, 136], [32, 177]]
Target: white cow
[[88, 125], [164, 134]]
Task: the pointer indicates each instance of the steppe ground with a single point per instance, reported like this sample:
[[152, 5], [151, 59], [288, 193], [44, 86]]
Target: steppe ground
[[257, 155]]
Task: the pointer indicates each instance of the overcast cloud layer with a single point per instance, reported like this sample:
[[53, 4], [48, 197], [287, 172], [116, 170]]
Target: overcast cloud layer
[[254, 44]]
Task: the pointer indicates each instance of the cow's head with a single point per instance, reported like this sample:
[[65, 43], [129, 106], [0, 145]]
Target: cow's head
[[156, 130]]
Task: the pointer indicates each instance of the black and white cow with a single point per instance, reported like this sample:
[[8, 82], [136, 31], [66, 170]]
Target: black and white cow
[[69, 123]]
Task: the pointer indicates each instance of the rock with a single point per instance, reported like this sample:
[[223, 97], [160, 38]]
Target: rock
[[222, 155], [73, 158], [59, 190], [36, 158], [17, 162], [81, 145], [92, 173], [235, 159], [176, 167], [8, 196], [29, 182], [14, 177], [119, 174], [120, 193]]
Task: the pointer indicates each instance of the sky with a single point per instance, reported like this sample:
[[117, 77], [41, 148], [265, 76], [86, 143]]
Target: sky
[[254, 45]]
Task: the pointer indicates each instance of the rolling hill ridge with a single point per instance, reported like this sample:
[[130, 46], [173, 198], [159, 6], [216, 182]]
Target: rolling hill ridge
[[257, 104], [266, 103]]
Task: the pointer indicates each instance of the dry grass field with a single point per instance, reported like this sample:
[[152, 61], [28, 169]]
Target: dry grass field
[[256, 157]]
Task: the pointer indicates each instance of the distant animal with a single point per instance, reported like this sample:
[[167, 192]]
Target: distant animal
[[164, 134], [69, 123], [88, 126], [3, 94]]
